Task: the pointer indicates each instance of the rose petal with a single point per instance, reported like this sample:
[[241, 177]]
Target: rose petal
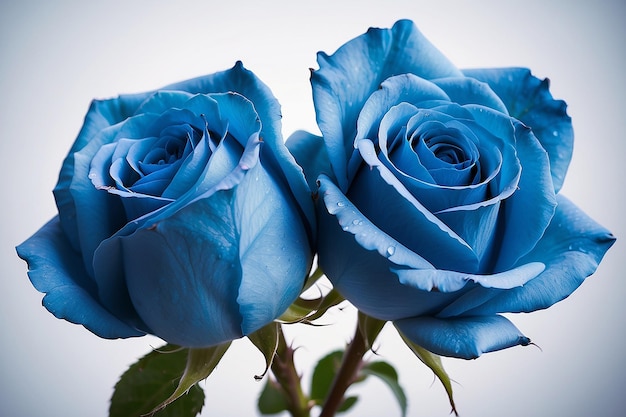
[[523, 228], [219, 248], [464, 90], [529, 100], [163, 100], [234, 110], [357, 257], [464, 337], [405, 88], [57, 270], [311, 155], [183, 273], [274, 249], [451, 281], [571, 249]]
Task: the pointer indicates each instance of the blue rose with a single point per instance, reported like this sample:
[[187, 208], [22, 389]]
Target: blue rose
[[438, 192], [181, 214]]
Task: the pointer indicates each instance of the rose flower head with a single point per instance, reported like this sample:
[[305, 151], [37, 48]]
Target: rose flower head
[[439, 192], [181, 214]]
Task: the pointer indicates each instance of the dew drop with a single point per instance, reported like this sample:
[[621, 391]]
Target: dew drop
[[391, 250], [356, 222], [341, 204]]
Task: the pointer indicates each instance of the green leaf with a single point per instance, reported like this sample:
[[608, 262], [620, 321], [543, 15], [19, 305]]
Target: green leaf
[[434, 363], [200, 364], [266, 340], [389, 376], [323, 376], [273, 399], [347, 404], [149, 381]]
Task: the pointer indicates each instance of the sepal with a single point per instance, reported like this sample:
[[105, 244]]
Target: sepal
[[369, 328], [305, 310], [435, 364], [266, 339]]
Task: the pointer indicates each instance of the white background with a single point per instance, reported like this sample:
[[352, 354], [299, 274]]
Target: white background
[[56, 56]]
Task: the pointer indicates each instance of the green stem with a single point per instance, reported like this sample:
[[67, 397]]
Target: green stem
[[283, 368], [350, 366]]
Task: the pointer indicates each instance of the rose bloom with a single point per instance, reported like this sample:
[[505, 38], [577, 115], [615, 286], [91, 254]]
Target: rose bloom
[[438, 192], [181, 214]]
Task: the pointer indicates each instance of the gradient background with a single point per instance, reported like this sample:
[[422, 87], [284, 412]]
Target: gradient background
[[55, 56]]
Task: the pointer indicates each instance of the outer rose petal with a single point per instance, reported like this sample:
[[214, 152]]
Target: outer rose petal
[[463, 337], [273, 248], [571, 249], [529, 100], [221, 267], [464, 90], [522, 228], [311, 155], [183, 273], [57, 271]]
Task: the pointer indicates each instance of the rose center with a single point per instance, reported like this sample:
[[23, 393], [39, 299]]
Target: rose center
[[174, 143], [446, 153], [438, 148]]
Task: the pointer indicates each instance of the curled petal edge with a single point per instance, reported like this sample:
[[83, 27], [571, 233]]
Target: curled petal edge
[[413, 270], [462, 337]]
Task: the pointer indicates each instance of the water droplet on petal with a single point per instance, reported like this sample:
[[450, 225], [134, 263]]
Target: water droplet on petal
[[356, 222], [391, 250], [341, 204]]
